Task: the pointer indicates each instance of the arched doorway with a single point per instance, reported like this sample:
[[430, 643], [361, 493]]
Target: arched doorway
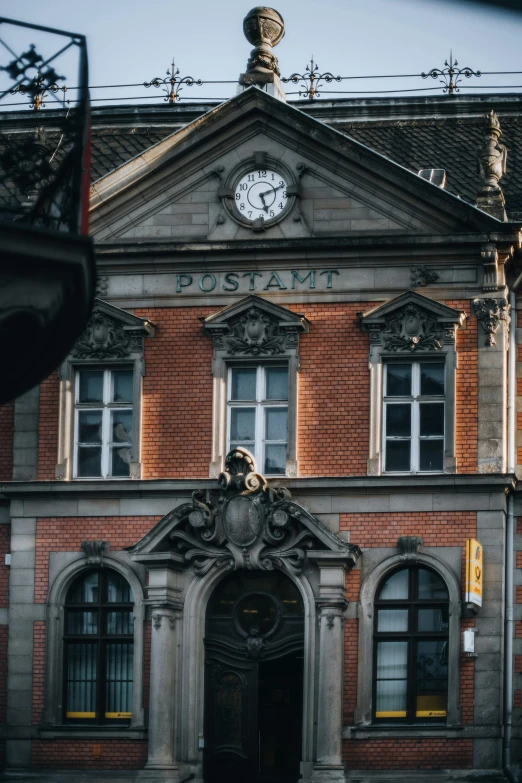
[[254, 640]]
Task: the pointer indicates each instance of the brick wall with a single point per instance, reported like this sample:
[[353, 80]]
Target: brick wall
[[441, 528], [6, 441], [351, 643], [65, 534], [89, 754], [408, 754], [334, 403], [39, 630], [48, 428], [177, 394], [467, 390], [334, 391]]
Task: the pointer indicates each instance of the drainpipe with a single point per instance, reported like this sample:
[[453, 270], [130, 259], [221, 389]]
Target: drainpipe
[[508, 609], [508, 648]]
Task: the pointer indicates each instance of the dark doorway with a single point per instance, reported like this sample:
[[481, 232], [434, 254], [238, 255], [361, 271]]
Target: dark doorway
[[254, 680]]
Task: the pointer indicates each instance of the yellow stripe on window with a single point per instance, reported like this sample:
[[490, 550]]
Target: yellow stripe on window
[[118, 714], [431, 713], [391, 714], [80, 714]]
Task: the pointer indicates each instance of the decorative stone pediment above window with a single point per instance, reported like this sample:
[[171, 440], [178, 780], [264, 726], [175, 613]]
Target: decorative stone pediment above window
[[111, 333], [255, 327], [253, 330], [411, 322], [411, 327]]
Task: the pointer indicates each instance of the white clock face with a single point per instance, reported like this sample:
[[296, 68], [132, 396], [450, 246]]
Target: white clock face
[[261, 193]]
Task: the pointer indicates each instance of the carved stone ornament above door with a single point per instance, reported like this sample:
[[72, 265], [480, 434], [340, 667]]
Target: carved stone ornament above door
[[245, 524]]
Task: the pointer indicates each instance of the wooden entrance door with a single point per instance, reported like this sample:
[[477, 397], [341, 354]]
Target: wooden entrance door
[[254, 680]]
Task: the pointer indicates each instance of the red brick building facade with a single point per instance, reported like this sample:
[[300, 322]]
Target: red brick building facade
[[298, 607]]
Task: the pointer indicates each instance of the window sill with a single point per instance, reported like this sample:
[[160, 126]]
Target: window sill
[[375, 732], [94, 732]]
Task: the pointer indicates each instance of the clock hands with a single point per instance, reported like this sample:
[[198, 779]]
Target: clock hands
[[272, 190], [262, 197]]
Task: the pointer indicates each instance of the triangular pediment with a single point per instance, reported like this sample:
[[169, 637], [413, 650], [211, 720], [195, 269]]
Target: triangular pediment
[[244, 524], [412, 322], [111, 333], [439, 310], [183, 187]]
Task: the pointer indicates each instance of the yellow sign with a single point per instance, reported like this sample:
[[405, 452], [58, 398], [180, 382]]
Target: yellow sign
[[474, 571]]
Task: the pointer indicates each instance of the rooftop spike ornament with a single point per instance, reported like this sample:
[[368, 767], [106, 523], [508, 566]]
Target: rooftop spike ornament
[[311, 79], [172, 85], [38, 85], [451, 75]]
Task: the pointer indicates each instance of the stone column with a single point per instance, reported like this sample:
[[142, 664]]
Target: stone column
[[331, 605], [162, 689]]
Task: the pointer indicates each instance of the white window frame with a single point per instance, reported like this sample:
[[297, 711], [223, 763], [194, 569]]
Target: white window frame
[[106, 406], [260, 404], [415, 400]]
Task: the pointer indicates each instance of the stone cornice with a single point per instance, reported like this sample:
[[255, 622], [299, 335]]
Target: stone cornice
[[360, 485]]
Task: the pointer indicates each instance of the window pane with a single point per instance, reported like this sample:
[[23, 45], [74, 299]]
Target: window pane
[[431, 378], [81, 680], [431, 454], [121, 426], [91, 386], [392, 620], [89, 462], [119, 590], [391, 699], [276, 422], [275, 459], [90, 427], [122, 386], [432, 619], [397, 455], [243, 383], [391, 679], [85, 590], [392, 660], [82, 623], [432, 678], [277, 383], [398, 380], [398, 420], [432, 418], [431, 586], [119, 676], [120, 622], [396, 587], [120, 459], [242, 424]]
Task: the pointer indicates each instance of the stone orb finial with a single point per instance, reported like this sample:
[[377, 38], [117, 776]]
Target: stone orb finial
[[263, 28]]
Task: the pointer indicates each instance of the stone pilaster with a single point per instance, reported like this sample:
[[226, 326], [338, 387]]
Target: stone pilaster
[[162, 690], [493, 338], [332, 603]]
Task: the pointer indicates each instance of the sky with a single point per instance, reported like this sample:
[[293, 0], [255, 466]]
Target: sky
[[133, 42]]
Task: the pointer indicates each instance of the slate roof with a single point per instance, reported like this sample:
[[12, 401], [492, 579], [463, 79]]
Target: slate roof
[[451, 143], [447, 143]]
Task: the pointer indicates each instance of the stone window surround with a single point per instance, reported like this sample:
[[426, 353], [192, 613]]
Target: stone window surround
[[289, 325], [55, 617], [377, 322], [106, 358], [363, 712]]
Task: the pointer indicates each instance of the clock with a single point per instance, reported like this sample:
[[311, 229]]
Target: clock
[[261, 193]]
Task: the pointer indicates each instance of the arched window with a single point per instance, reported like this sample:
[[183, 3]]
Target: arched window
[[411, 647], [99, 649]]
